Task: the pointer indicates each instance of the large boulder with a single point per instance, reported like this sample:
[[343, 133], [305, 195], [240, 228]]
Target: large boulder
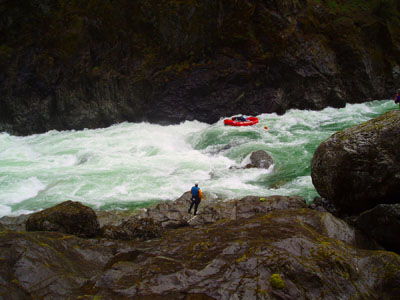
[[67, 217], [382, 223], [359, 167]]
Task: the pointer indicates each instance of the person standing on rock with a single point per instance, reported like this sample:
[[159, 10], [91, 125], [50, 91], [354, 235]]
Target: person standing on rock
[[397, 99], [197, 194]]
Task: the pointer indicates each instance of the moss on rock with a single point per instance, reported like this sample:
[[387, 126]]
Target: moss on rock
[[277, 282]]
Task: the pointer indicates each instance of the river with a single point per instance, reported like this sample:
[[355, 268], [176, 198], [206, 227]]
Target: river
[[131, 165]]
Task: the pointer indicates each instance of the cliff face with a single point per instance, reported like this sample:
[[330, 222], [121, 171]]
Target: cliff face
[[74, 64]]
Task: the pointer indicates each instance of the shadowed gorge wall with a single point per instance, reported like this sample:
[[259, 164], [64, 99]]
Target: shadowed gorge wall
[[69, 64]]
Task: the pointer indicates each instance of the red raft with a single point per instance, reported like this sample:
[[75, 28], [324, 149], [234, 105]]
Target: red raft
[[249, 121]]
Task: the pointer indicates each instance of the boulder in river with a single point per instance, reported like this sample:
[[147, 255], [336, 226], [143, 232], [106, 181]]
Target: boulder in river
[[260, 159], [359, 167]]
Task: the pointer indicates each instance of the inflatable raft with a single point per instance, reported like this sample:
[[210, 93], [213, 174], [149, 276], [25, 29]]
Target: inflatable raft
[[249, 121]]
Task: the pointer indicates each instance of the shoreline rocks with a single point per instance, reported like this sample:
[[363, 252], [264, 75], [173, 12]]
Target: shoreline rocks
[[357, 171], [239, 249]]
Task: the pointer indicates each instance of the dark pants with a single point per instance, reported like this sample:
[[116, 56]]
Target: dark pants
[[195, 202]]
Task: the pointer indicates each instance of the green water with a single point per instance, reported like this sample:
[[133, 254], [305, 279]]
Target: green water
[[131, 165]]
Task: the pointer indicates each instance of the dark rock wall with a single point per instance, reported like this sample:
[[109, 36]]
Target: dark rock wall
[[87, 64]]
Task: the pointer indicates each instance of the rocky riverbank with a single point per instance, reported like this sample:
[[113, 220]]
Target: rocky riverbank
[[357, 171], [253, 248]]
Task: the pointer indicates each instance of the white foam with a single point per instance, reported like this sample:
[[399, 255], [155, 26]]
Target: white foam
[[22, 190], [5, 210], [141, 162]]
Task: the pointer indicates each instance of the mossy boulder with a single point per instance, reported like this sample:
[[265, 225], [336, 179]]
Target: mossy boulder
[[67, 217], [359, 167]]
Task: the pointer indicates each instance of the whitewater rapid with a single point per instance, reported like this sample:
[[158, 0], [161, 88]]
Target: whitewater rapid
[[132, 165]]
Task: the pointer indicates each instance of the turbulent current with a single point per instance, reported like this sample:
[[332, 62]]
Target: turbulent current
[[130, 165]]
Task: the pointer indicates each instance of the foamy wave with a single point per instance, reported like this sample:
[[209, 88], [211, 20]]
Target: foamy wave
[[128, 163], [22, 190]]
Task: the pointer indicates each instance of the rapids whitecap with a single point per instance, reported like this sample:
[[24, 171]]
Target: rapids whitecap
[[134, 165]]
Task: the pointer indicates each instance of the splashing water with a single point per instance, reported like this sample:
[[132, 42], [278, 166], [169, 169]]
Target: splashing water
[[130, 165]]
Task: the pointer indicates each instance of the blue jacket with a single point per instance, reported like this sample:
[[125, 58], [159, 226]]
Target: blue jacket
[[195, 191]]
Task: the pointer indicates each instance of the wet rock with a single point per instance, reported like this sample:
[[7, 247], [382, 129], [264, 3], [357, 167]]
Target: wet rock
[[317, 204], [260, 159], [174, 214], [67, 217], [14, 223], [307, 253], [113, 217], [359, 167], [49, 265], [235, 259], [382, 223], [131, 229], [170, 214]]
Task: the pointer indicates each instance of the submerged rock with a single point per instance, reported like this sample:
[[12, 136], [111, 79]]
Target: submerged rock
[[68, 217], [359, 167], [260, 159]]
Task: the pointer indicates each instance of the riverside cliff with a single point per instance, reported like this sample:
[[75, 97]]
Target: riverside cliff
[[74, 64]]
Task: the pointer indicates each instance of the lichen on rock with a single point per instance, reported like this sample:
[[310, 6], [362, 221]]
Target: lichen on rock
[[277, 282]]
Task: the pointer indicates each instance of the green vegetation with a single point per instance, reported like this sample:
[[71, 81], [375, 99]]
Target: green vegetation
[[277, 282]]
